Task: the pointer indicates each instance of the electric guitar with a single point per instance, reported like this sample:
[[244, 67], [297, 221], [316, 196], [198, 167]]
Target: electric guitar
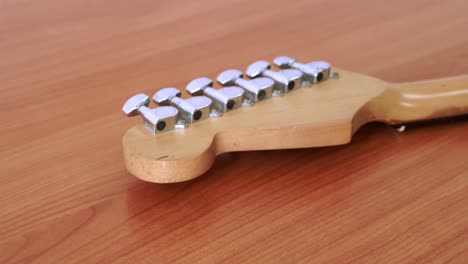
[[299, 105]]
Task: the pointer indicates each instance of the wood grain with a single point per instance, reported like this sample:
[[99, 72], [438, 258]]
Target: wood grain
[[295, 120], [66, 197], [327, 114]]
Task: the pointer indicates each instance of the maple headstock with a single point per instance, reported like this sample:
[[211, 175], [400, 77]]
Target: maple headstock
[[325, 114]]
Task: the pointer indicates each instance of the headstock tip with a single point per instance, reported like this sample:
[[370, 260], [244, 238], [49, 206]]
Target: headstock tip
[[173, 158]]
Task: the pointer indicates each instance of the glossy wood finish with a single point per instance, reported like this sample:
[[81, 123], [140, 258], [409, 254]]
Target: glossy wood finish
[[66, 197], [421, 101], [291, 121]]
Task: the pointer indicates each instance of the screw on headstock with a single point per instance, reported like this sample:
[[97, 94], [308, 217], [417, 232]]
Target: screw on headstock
[[156, 120], [285, 80], [255, 90], [314, 72], [191, 110], [224, 99]]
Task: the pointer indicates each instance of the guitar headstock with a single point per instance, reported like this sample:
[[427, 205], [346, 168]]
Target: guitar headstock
[[304, 105]]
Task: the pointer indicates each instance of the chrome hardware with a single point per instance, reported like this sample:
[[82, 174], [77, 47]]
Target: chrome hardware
[[255, 90], [191, 110], [224, 99], [313, 72], [175, 112], [285, 80], [324, 66], [401, 128], [134, 103], [156, 120]]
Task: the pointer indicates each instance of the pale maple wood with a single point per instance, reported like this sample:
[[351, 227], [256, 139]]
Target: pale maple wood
[[66, 197], [419, 101], [326, 114]]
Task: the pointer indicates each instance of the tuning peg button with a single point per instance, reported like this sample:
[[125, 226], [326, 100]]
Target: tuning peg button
[[224, 99], [194, 109], [134, 103], [285, 80], [156, 120], [255, 90]]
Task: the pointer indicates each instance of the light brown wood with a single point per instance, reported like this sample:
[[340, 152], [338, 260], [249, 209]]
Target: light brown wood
[[419, 101], [67, 67], [326, 114]]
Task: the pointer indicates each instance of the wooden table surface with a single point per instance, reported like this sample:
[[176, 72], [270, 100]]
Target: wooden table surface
[[67, 67]]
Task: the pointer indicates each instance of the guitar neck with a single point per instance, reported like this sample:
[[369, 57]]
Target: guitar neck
[[419, 101]]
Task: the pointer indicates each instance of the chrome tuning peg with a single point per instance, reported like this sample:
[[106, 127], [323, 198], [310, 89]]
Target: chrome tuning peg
[[156, 120], [324, 66], [224, 99], [285, 80], [191, 110], [314, 72], [255, 90]]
